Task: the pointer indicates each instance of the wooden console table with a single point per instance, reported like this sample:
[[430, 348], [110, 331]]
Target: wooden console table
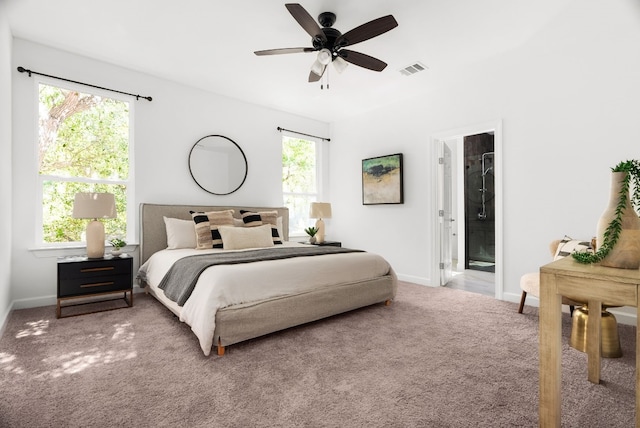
[[585, 283]]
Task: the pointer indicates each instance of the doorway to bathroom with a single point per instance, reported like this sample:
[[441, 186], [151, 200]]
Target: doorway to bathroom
[[468, 199], [479, 202]]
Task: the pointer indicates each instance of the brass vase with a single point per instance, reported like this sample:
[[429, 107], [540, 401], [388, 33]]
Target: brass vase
[[609, 337], [626, 252]]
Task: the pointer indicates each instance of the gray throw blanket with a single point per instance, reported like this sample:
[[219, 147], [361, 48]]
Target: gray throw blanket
[[180, 280]]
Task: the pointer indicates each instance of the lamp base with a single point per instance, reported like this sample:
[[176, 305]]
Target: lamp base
[[320, 232], [95, 239]]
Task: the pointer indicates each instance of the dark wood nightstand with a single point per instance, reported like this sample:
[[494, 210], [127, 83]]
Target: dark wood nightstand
[[329, 243], [81, 278]]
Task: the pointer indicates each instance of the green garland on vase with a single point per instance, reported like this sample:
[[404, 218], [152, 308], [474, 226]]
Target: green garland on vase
[[613, 230]]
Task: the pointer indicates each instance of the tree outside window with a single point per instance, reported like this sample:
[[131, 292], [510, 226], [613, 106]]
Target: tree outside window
[[83, 146], [299, 181]]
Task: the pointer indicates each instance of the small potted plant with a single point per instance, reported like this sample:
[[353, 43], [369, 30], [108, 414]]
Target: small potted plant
[[311, 231], [117, 244]]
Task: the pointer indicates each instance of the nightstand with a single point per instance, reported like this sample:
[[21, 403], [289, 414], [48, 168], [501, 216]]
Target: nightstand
[[327, 243], [82, 278]]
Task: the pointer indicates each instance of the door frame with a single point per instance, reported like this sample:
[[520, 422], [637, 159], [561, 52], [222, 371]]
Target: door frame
[[494, 126]]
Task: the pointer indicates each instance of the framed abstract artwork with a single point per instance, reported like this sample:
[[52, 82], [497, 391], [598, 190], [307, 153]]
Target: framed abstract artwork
[[382, 180]]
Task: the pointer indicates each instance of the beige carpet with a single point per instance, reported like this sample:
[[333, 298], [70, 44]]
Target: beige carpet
[[436, 358]]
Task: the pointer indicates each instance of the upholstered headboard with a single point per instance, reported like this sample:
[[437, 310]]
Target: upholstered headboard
[[153, 234]]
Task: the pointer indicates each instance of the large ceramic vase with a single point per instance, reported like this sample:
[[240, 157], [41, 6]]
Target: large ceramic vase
[[626, 252]]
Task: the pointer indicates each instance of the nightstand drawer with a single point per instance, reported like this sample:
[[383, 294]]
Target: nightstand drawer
[[96, 268], [93, 285]]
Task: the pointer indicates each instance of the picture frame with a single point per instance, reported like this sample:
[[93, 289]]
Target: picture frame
[[382, 181]]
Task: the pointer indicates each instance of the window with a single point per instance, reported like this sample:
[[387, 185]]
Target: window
[[84, 145], [299, 181]]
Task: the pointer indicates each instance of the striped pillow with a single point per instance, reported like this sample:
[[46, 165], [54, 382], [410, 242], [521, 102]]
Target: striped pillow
[[568, 245], [251, 219], [207, 223]]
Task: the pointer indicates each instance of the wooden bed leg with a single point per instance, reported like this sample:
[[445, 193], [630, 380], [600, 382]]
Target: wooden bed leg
[[387, 302], [220, 349]]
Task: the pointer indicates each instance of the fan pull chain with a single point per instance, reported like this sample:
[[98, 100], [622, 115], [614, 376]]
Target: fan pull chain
[[325, 77]]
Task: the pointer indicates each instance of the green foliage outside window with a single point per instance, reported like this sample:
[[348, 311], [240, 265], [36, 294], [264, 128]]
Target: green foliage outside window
[[298, 165], [299, 181], [83, 147]]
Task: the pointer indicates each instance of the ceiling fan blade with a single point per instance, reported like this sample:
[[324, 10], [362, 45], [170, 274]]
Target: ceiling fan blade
[[362, 60], [367, 31], [306, 21], [283, 51]]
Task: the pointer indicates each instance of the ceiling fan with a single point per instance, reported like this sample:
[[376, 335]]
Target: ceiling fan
[[330, 43]]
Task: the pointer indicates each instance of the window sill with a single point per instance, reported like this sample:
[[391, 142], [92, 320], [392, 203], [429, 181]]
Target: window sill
[[72, 250]]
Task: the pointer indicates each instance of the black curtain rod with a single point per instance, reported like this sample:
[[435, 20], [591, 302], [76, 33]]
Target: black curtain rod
[[30, 72], [302, 133]]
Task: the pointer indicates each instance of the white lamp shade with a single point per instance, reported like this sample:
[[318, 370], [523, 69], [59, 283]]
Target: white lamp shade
[[94, 205], [339, 64], [317, 68], [320, 210], [324, 56]]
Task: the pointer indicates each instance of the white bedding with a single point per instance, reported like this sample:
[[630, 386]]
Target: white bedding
[[226, 285]]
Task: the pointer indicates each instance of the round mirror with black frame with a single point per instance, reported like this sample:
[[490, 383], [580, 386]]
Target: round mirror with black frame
[[218, 165]]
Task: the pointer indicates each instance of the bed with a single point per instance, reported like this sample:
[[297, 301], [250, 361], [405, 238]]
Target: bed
[[231, 303]]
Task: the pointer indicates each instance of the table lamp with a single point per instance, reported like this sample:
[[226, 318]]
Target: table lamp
[[320, 210], [94, 206]]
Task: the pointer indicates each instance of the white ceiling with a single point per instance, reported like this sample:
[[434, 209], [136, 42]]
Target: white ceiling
[[209, 44]]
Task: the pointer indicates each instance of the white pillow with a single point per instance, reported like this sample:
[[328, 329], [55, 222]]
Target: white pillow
[[238, 238], [279, 221], [180, 233]]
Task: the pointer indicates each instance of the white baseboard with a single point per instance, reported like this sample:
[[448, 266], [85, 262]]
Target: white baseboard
[[625, 315], [51, 300], [5, 318], [415, 280], [34, 302]]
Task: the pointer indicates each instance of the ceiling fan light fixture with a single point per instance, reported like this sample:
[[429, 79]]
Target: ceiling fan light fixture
[[339, 64], [324, 56], [317, 67]]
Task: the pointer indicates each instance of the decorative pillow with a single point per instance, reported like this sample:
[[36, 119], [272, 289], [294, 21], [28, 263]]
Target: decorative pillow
[[206, 226], [279, 226], [239, 238], [180, 233], [252, 219], [568, 245]]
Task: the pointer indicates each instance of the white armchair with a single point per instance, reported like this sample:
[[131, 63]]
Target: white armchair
[[530, 282]]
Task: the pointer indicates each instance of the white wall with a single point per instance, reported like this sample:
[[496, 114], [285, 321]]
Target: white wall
[[165, 131], [568, 101], [5, 164]]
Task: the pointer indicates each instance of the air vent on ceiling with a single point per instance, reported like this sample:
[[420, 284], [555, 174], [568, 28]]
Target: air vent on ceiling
[[413, 69]]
